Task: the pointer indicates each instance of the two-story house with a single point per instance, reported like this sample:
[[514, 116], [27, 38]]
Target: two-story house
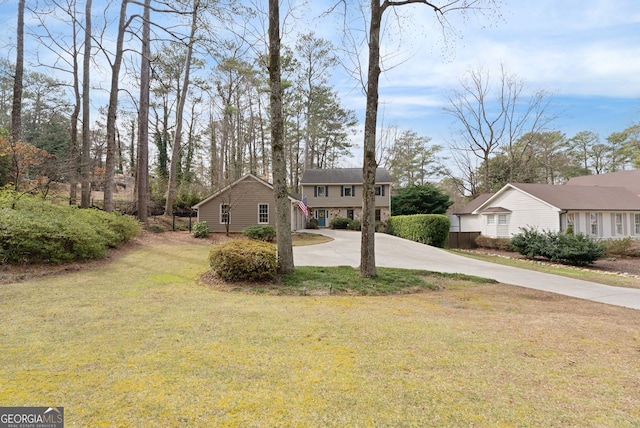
[[332, 193]]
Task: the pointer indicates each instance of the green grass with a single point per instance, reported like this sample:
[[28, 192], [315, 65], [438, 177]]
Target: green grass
[[347, 280], [139, 342], [555, 269]]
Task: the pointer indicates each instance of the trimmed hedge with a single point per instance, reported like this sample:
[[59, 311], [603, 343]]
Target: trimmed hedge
[[261, 233], [244, 260], [36, 231], [430, 229], [356, 225], [557, 246], [339, 223]]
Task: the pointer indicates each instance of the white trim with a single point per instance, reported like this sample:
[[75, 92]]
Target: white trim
[[259, 213], [228, 213], [488, 202], [224, 189]]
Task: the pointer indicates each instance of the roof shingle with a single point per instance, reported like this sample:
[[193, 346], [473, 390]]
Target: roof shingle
[[571, 197], [341, 176]]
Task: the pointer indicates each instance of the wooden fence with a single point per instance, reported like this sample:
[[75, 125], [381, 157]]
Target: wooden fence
[[463, 240]]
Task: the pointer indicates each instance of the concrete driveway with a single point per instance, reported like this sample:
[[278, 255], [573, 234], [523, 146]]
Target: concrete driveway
[[392, 251]]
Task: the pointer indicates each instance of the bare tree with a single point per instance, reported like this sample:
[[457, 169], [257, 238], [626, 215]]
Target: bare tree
[[112, 109], [142, 161], [283, 214], [367, 248], [177, 140], [85, 156], [491, 120]]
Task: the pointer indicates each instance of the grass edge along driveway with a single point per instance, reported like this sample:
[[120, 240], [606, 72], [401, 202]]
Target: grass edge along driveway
[[139, 342]]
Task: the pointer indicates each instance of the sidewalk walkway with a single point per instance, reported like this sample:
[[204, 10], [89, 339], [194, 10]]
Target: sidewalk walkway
[[392, 251]]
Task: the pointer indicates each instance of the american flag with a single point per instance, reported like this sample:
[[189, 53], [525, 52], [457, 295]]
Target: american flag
[[304, 208]]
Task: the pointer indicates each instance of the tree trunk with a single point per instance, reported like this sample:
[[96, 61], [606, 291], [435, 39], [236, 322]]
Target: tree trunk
[[74, 160], [177, 140], [142, 161], [16, 111], [283, 214], [367, 243], [85, 155], [110, 164]]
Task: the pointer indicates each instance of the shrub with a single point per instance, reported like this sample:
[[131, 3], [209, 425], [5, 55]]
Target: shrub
[[503, 244], [355, 225], [558, 247], [200, 229], [312, 223], [36, 231], [430, 229], [244, 260], [261, 233], [339, 223], [618, 247]]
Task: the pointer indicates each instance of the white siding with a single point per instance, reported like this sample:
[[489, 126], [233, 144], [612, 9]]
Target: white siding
[[471, 223], [526, 211]]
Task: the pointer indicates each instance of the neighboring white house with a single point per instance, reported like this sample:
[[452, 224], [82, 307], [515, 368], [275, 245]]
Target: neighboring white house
[[605, 206]]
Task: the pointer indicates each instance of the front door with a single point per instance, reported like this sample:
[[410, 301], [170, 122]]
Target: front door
[[321, 215]]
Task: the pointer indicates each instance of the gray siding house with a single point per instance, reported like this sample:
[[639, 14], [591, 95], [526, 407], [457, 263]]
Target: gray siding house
[[246, 202], [332, 193], [602, 206]]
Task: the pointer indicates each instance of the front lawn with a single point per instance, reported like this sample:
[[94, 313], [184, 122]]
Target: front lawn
[[139, 342]]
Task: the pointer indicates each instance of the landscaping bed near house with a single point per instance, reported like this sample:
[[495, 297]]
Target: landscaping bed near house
[[628, 265]]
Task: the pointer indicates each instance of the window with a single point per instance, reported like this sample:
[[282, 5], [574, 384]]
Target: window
[[347, 191], [350, 214], [593, 222], [263, 214], [378, 215], [618, 223], [570, 219], [321, 192], [379, 190], [225, 217], [491, 219], [637, 223], [502, 219]]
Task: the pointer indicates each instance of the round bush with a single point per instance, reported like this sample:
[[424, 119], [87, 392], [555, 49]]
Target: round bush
[[200, 229], [262, 233], [244, 260]]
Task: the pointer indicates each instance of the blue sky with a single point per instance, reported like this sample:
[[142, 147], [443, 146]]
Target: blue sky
[[585, 53]]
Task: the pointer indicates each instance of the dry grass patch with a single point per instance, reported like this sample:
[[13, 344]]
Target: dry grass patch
[[139, 343], [615, 279]]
